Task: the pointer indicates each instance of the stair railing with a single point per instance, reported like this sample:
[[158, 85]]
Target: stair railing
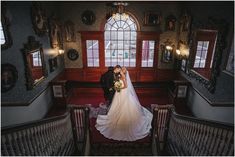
[[63, 135], [80, 125], [160, 123], [48, 137], [196, 137]]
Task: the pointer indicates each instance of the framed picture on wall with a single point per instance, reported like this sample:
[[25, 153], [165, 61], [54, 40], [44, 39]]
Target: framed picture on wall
[[229, 67], [182, 91], [57, 91], [170, 23], [152, 19], [183, 65], [53, 64], [69, 31], [9, 76]]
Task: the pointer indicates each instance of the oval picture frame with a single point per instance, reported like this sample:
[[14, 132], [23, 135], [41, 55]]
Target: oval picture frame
[[9, 76], [72, 54], [88, 17]]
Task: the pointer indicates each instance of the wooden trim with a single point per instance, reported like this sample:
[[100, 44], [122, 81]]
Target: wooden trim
[[22, 103], [104, 21], [214, 103], [203, 121], [22, 126], [14, 104]]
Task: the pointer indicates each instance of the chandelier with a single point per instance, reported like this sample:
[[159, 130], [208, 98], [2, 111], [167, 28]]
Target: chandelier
[[118, 10]]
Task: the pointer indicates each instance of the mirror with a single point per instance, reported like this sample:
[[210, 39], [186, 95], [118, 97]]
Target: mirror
[[34, 62], [207, 42], [6, 40], [167, 51]]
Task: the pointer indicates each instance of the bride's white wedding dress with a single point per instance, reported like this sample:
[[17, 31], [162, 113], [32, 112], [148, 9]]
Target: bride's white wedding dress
[[126, 120]]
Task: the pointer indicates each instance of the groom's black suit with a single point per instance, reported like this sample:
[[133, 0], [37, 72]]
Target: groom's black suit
[[106, 81]]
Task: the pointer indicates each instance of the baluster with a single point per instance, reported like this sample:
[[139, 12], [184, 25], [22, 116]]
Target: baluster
[[214, 133], [43, 142], [185, 141], [81, 120], [159, 119], [192, 137], [209, 142], [9, 145], [231, 151], [222, 143], [16, 146], [39, 140], [45, 137], [33, 142], [4, 150], [24, 142], [228, 142], [200, 140], [188, 135], [217, 141], [29, 142], [48, 137]]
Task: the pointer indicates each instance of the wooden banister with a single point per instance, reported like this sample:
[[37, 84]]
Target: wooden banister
[[192, 136], [48, 137], [80, 125]]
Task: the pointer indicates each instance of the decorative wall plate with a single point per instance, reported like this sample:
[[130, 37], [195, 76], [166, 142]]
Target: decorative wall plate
[[88, 17], [72, 54], [9, 76]]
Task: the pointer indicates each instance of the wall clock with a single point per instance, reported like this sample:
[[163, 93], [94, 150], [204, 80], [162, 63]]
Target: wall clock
[[72, 54], [88, 17]]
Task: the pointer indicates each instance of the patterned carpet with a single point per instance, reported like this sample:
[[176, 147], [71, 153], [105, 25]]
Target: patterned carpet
[[125, 149]]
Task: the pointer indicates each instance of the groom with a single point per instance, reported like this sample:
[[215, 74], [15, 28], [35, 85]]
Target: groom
[[107, 80]]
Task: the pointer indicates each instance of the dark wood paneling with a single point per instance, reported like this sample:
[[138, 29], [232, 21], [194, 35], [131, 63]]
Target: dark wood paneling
[[73, 74], [142, 75], [165, 75], [146, 75], [92, 75]]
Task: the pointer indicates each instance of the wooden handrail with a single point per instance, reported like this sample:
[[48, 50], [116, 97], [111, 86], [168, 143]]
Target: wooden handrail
[[22, 126], [192, 136], [203, 121], [51, 136]]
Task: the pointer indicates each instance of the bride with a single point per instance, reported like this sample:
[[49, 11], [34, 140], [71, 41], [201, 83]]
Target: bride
[[126, 120]]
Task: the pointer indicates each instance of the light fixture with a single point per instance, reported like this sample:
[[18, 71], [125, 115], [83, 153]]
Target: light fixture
[[178, 52], [61, 51], [169, 47], [120, 10]]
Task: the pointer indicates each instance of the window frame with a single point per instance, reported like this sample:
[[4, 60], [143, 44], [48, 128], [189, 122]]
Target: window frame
[[128, 24], [151, 36], [5, 26], [92, 35], [205, 35]]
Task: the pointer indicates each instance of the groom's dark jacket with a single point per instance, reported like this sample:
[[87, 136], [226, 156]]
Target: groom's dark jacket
[[106, 81]]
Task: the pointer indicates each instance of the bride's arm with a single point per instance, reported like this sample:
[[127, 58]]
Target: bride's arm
[[124, 80]]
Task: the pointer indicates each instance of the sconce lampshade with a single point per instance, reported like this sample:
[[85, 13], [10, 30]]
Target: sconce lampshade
[[61, 51]]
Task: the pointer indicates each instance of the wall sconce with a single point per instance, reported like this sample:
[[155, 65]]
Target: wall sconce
[[178, 52], [183, 51], [182, 54], [61, 51]]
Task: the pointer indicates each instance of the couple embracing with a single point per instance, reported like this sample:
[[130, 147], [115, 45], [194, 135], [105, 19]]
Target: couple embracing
[[126, 119]]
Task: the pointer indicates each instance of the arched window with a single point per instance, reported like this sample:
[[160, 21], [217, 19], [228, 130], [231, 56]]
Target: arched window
[[120, 41]]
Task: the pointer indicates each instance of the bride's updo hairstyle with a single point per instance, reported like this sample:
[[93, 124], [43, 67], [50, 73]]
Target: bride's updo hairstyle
[[117, 69], [124, 70]]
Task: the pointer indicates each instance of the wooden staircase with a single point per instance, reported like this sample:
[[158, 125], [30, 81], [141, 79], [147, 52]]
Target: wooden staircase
[[70, 134]]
